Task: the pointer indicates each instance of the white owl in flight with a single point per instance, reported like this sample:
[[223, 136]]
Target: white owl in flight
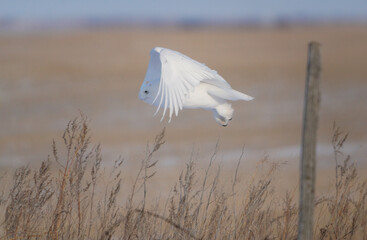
[[176, 81]]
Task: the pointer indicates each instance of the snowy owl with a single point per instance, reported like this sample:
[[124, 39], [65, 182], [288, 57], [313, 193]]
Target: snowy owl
[[176, 81]]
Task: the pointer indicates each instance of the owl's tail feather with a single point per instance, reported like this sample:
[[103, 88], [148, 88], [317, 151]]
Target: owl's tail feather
[[229, 94]]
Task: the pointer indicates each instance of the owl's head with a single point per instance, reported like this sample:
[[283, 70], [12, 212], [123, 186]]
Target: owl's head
[[149, 90]]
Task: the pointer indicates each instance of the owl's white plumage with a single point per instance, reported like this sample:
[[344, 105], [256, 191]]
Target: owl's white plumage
[[176, 81]]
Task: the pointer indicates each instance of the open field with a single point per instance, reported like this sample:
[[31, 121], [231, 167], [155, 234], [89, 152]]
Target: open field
[[46, 78]]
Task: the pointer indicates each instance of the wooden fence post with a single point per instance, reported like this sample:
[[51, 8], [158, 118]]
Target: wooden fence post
[[308, 151]]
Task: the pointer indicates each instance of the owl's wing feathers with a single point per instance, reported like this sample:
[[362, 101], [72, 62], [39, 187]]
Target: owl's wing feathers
[[179, 75]]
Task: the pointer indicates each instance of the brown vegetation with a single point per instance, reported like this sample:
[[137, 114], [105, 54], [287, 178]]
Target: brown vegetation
[[77, 204]]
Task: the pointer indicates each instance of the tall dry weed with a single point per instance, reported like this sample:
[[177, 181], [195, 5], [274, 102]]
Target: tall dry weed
[[346, 211]]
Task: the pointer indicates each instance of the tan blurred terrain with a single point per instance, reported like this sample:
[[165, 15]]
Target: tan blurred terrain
[[46, 78]]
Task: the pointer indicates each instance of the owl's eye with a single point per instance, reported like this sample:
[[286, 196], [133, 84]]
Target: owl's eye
[[146, 92]]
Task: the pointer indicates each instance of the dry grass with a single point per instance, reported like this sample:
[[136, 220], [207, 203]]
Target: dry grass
[[86, 202]]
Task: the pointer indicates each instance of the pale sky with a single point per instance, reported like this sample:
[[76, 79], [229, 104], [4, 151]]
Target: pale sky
[[170, 10]]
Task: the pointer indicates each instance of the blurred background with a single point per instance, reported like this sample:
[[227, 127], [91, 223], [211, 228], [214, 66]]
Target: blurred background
[[59, 58]]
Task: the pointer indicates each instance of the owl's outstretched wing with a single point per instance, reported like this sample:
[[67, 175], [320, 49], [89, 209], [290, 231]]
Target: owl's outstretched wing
[[179, 75]]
